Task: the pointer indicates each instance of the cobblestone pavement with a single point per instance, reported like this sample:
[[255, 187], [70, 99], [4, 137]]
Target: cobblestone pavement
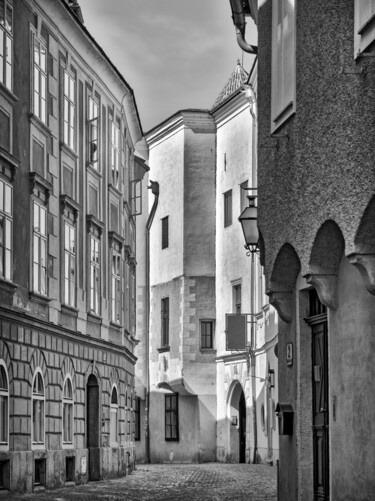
[[175, 482]]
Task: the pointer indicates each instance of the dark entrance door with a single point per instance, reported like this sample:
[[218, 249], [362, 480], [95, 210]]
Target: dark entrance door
[[242, 428], [318, 323], [92, 432]]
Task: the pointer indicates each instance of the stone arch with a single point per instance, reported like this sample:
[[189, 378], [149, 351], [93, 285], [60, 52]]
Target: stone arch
[[236, 409], [67, 368], [5, 355], [38, 361], [93, 369], [325, 257], [284, 275], [364, 256]]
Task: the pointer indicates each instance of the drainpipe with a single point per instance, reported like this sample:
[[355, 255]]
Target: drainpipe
[[252, 360], [238, 16], [154, 186]]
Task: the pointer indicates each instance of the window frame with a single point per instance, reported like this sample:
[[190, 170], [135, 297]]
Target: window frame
[[211, 335], [228, 208], [38, 268], [137, 419], [237, 298], [113, 418], [38, 397], [282, 106], [4, 409], [364, 28], [6, 229], [114, 153], [68, 402], [165, 232], [171, 410], [70, 256], [40, 76], [116, 287], [93, 132], [69, 103], [164, 325], [95, 275], [6, 33]]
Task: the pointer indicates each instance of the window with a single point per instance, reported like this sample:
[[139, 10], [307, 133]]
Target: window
[[243, 196], [69, 110], [113, 417], [115, 154], [237, 298], [116, 287], [4, 407], [40, 249], [93, 133], [164, 233], [70, 265], [68, 412], [364, 25], [228, 208], [137, 419], [4, 130], [39, 472], [171, 417], [165, 321], [94, 275], [40, 80], [6, 222], [207, 334], [6, 42], [38, 409], [283, 61]]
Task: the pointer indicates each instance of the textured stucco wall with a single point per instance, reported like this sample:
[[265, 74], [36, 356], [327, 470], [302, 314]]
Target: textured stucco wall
[[324, 169]]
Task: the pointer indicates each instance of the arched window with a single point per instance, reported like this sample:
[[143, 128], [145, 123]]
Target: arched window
[[4, 406], [38, 409], [113, 417], [68, 412]]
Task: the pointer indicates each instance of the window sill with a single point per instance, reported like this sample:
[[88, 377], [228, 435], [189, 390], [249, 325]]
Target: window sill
[[164, 349], [172, 439], [69, 310], [115, 325], [94, 318], [36, 297], [68, 150], [95, 172], [8, 92], [7, 285], [208, 350], [39, 123], [115, 190]]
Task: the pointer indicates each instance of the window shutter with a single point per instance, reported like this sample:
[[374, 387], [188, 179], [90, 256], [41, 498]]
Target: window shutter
[[364, 25]]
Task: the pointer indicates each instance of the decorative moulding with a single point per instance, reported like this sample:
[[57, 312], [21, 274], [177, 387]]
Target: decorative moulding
[[282, 302], [326, 287], [365, 263]]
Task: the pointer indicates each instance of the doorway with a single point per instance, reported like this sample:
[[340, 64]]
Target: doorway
[[319, 330], [237, 424], [242, 428], [93, 430]]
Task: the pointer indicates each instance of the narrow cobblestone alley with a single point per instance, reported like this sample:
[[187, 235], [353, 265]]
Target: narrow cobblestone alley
[[180, 482]]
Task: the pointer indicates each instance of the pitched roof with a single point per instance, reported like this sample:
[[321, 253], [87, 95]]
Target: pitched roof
[[238, 77], [75, 8]]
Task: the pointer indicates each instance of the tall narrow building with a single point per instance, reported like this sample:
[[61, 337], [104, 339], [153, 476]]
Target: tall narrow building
[[68, 131]]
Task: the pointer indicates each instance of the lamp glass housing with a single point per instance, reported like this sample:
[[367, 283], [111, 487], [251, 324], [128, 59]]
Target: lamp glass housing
[[248, 220]]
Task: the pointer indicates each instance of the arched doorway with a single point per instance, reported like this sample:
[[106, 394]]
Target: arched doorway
[[237, 424], [92, 427]]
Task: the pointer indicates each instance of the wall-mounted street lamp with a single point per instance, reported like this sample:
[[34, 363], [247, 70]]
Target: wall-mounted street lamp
[[248, 220]]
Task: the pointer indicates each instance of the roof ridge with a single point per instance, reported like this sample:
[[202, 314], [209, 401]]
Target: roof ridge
[[238, 76]]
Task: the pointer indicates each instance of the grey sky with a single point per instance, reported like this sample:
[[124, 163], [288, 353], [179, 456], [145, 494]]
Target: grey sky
[[175, 54]]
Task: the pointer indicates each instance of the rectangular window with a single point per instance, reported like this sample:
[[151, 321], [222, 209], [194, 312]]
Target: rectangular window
[[70, 265], [4, 130], [69, 109], [115, 154], [93, 133], [40, 80], [207, 334], [39, 472], [116, 287], [171, 417], [40, 249], [6, 224], [237, 298], [137, 419], [283, 61], [228, 208], [243, 196], [6, 43], [94, 275], [364, 25], [164, 233], [165, 321]]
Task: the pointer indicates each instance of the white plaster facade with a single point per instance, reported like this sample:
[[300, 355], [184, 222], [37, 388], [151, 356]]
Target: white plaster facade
[[236, 375]]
